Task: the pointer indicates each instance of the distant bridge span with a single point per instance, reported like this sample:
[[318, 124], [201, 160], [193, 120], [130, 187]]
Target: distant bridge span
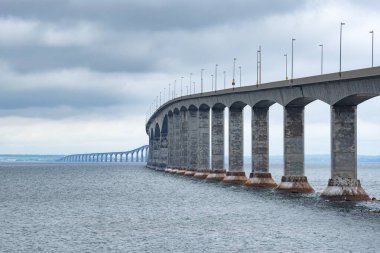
[[136, 155], [179, 131]]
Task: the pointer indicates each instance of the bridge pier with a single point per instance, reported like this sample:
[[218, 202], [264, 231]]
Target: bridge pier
[[217, 145], [192, 142], [235, 174], [343, 184], [169, 167], [203, 143], [260, 175], [177, 141], [294, 179]]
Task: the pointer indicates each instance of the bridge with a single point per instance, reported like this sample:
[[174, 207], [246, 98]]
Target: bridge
[[136, 155], [179, 132]]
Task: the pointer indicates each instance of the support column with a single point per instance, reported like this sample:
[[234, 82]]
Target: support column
[[235, 174], [260, 176], [192, 149], [344, 184], [170, 142], [176, 141], [217, 145], [203, 163], [163, 151], [294, 179], [184, 142]]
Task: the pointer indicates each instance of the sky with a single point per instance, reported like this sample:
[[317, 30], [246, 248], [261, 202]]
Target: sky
[[80, 76]]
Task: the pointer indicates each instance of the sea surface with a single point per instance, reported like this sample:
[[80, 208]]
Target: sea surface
[[51, 207]]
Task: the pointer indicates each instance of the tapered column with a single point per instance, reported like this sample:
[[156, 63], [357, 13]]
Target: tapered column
[[235, 174], [344, 184], [217, 145], [294, 179], [260, 176], [203, 143], [171, 147], [192, 149], [176, 141], [163, 150], [183, 142]]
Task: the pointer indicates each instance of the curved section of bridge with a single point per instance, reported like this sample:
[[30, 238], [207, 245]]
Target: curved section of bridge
[[179, 132], [136, 155]]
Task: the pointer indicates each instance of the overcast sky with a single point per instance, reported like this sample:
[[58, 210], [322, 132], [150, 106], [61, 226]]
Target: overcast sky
[[80, 76]]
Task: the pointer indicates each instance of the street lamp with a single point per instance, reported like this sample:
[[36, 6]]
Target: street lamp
[[169, 91], [160, 98], [321, 45], [240, 75], [340, 49], [164, 94], [194, 86], [202, 80], [233, 75], [212, 82], [175, 84], [224, 79], [216, 75], [190, 82], [181, 85], [286, 66], [372, 32], [292, 59]]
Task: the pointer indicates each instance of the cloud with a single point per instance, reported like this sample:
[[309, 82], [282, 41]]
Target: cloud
[[105, 62]]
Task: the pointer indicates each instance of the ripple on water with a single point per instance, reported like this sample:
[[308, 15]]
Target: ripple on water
[[128, 208]]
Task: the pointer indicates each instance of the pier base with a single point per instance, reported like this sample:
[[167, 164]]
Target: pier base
[[296, 184], [348, 189], [201, 174], [181, 172], [173, 171], [216, 175], [261, 180], [189, 173], [235, 177]]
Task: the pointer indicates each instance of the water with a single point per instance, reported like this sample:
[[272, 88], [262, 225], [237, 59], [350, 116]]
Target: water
[[128, 208]]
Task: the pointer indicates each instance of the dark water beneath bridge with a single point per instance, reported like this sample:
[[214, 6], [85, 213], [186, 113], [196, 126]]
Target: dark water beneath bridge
[[128, 208]]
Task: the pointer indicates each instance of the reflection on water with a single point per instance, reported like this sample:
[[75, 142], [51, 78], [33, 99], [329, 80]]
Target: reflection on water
[[128, 208]]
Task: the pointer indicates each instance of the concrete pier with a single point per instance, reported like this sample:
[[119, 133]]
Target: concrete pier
[[343, 184], [217, 172], [235, 174], [260, 175], [203, 143], [184, 139], [294, 179], [193, 141], [177, 140]]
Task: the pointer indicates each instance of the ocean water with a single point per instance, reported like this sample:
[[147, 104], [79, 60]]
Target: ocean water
[[129, 208]]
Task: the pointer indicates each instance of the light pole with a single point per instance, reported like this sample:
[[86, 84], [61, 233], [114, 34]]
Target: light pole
[[286, 66], [240, 75], [160, 98], [190, 82], [372, 32], [216, 76], [202, 80], [340, 49], [175, 84], [233, 74], [194, 86], [224, 79], [212, 82], [292, 58], [321, 45], [169, 91], [187, 90], [181, 84], [164, 94]]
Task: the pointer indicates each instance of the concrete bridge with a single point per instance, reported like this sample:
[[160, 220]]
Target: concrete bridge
[[137, 155], [179, 132]]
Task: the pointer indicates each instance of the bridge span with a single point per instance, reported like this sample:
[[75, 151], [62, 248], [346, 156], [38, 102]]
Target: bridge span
[[179, 132], [136, 155]]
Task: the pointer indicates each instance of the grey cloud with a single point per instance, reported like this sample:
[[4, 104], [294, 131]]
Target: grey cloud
[[148, 15]]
